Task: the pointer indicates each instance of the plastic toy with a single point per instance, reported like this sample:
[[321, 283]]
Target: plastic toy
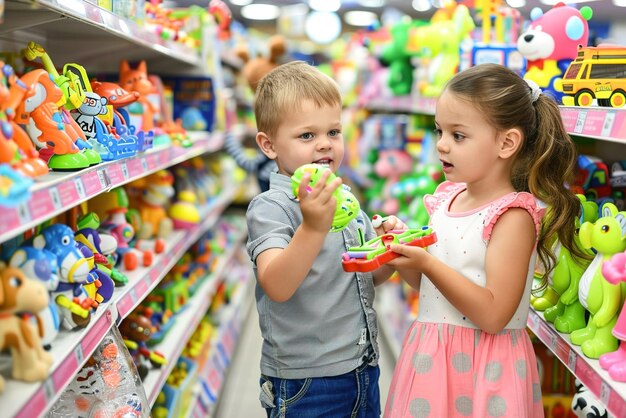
[[596, 73], [614, 271], [154, 193], [136, 80], [16, 148], [440, 43], [136, 330], [592, 177], [221, 13], [550, 43], [586, 405], [184, 212], [374, 253], [57, 139], [19, 295], [603, 300], [41, 265], [14, 188], [391, 165], [568, 314], [348, 206]]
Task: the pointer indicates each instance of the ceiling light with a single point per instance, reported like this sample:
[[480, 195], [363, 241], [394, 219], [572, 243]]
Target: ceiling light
[[619, 3], [260, 11], [421, 5], [322, 27], [325, 5], [516, 3], [553, 2], [360, 18], [372, 3], [240, 2]]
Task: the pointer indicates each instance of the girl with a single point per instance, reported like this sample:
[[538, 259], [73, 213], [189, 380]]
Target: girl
[[504, 151]]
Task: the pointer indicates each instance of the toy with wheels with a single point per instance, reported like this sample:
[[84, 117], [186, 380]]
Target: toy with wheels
[[374, 253], [347, 205]]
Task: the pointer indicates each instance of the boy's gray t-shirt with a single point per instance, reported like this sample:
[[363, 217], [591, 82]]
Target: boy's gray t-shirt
[[328, 327]]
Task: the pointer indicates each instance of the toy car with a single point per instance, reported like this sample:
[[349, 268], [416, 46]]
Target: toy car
[[374, 253]]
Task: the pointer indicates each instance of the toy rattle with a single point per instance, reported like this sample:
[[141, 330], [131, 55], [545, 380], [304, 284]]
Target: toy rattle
[[347, 205], [372, 254]]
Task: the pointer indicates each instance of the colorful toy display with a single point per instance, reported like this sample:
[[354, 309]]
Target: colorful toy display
[[374, 253], [348, 206], [136, 80], [614, 271], [136, 330], [597, 73], [551, 42]]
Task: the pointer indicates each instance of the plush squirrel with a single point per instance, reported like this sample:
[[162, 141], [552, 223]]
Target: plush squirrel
[[253, 71]]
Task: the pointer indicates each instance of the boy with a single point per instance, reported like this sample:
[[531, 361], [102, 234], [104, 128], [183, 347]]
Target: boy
[[320, 352]]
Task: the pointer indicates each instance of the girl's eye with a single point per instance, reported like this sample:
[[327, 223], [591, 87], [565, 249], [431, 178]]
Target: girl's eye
[[437, 132], [307, 136], [458, 137], [334, 132]]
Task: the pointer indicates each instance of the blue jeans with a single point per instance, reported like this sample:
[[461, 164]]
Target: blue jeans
[[351, 395]]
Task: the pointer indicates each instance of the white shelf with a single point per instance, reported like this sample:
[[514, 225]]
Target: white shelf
[[185, 324], [55, 192], [588, 371], [80, 31]]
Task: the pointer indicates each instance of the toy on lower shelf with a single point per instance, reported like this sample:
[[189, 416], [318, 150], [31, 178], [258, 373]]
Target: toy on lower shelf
[[374, 253]]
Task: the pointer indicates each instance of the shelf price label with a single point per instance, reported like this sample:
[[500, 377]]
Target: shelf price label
[[571, 360], [605, 393], [55, 197], [79, 354], [80, 188], [125, 173], [102, 179], [607, 126], [580, 121], [48, 390], [23, 213]]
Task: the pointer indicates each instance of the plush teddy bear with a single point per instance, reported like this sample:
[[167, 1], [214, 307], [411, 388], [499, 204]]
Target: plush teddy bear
[[551, 42]]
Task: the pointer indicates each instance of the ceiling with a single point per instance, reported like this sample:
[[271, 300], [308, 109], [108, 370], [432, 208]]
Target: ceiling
[[603, 10]]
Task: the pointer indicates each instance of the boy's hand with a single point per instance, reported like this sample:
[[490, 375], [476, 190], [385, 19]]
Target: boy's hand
[[390, 223], [318, 204]]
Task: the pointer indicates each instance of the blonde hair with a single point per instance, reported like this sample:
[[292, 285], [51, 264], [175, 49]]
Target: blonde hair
[[284, 89], [546, 161]]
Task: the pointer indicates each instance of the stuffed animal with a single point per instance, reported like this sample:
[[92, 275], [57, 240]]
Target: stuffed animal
[[255, 68], [586, 405], [551, 42]]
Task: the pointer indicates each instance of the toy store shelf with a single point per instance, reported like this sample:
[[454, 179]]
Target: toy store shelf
[[143, 280], [403, 104], [56, 192], [608, 124], [611, 393], [214, 371], [69, 350], [185, 324], [81, 23]]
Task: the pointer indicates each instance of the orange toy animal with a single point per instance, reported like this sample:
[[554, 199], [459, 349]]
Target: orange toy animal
[[18, 295], [45, 123], [16, 148], [137, 80]]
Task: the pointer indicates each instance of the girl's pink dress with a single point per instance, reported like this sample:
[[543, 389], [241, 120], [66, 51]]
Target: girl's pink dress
[[448, 367]]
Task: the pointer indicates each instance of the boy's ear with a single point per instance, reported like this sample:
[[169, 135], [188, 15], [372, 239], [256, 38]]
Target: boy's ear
[[266, 145], [510, 143]]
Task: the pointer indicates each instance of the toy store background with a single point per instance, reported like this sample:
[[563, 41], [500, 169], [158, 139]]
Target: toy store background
[[127, 160]]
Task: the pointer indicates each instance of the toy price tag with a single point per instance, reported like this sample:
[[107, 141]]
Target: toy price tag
[[102, 179], [48, 390], [23, 213], [144, 164], [571, 360], [79, 354], [125, 173], [80, 188], [554, 340], [605, 393], [580, 121], [55, 197], [607, 126]]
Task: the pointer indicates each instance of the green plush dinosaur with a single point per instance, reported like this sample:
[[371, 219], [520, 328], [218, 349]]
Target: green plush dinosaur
[[568, 314], [603, 300]]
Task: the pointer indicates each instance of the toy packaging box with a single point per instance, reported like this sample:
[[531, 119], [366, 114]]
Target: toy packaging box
[[194, 101]]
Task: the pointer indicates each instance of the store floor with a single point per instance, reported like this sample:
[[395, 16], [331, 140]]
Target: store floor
[[240, 396]]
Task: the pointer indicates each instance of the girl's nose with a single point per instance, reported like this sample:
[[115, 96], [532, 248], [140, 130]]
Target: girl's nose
[[442, 145]]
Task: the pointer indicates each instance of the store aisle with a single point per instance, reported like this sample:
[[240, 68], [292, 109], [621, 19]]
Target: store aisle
[[240, 397]]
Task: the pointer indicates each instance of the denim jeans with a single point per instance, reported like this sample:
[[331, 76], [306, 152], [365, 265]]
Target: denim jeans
[[351, 395]]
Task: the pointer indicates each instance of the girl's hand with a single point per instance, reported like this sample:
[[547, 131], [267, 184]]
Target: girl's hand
[[390, 223], [411, 258], [318, 204]]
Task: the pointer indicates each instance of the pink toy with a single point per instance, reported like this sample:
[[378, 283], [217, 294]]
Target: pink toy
[[551, 42], [614, 272], [391, 165]]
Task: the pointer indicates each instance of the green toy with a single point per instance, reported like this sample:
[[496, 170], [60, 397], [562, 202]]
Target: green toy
[[602, 299], [347, 205], [568, 314]]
